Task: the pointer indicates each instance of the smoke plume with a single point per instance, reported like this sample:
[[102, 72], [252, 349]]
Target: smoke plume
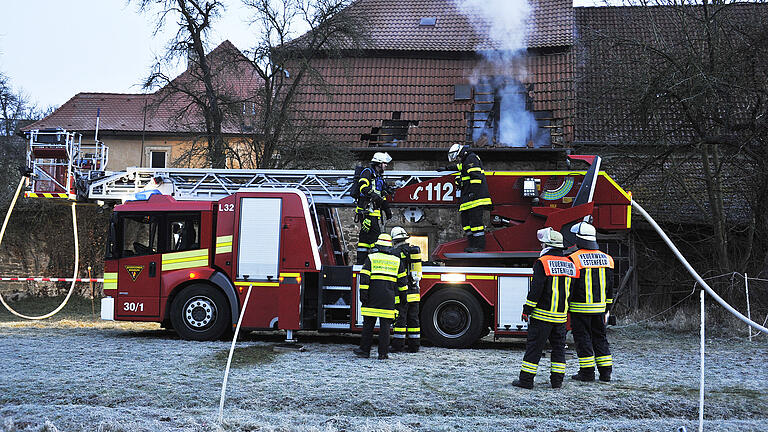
[[502, 26]]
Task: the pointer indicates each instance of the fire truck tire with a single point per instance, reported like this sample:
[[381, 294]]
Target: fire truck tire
[[452, 318], [200, 312]]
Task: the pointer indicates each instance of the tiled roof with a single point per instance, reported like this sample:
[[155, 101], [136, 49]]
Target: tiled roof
[[125, 113], [394, 25], [601, 114], [361, 92]]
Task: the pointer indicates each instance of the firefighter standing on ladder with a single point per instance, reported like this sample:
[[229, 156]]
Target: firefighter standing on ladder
[[371, 192], [546, 309], [589, 296], [475, 198], [407, 325], [382, 275]]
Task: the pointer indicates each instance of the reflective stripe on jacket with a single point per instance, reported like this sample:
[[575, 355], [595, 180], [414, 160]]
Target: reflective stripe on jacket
[[382, 275], [474, 186], [553, 275], [594, 288]]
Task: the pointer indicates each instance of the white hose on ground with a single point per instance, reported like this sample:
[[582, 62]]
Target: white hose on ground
[[229, 359], [693, 272], [77, 259]]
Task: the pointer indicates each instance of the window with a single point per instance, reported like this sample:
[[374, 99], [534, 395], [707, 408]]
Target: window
[[140, 235], [391, 133], [183, 232], [428, 21], [502, 114], [422, 242], [157, 159]]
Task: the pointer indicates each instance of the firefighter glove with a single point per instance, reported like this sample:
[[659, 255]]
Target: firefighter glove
[[524, 317], [366, 225], [527, 309]]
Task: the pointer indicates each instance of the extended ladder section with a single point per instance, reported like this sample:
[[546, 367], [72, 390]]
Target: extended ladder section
[[57, 159], [321, 187]]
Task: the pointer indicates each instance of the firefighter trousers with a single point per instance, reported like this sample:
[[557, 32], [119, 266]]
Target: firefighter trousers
[[398, 334], [472, 221], [591, 343], [369, 233], [366, 339], [406, 330], [538, 333]]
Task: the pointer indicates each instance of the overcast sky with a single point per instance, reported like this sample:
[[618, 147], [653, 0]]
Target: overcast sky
[[54, 49]]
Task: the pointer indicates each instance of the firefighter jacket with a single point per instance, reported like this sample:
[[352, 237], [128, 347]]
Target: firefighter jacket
[[372, 189], [382, 275], [410, 255], [471, 181], [553, 277], [594, 289]]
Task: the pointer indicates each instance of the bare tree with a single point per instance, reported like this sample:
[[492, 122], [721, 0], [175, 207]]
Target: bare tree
[[204, 97], [286, 63], [686, 82]]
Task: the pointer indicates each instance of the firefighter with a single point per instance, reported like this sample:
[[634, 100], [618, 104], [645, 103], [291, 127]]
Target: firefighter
[[475, 198], [590, 295], [407, 326], [546, 309], [372, 192], [382, 275]]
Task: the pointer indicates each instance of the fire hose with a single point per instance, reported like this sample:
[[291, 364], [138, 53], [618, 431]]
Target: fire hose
[[77, 259], [693, 272]]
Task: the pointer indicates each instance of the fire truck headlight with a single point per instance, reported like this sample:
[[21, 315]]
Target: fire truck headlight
[[453, 277], [192, 275]]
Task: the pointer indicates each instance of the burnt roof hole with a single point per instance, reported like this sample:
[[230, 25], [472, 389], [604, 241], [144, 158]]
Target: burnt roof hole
[[428, 21], [395, 115]]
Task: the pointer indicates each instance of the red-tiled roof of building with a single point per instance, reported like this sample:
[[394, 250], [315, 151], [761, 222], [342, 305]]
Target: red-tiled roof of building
[[130, 113], [420, 90], [394, 25]]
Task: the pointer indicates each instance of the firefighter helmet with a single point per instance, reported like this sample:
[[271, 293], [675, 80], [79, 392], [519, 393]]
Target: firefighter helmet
[[399, 234], [550, 237], [457, 151], [585, 235], [385, 240], [381, 157]]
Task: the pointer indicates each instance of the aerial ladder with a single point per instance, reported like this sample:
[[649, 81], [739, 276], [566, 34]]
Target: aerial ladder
[[523, 201]]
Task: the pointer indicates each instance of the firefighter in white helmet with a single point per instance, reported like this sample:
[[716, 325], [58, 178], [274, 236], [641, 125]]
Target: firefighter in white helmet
[[407, 328], [546, 309], [371, 191], [382, 275], [590, 295], [475, 197]]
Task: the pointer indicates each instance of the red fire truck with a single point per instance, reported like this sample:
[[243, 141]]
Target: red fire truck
[[187, 247], [186, 244]]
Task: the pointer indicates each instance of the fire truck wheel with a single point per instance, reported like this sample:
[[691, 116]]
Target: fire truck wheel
[[452, 318], [200, 312]]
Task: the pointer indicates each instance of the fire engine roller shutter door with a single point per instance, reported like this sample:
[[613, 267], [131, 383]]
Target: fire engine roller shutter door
[[513, 291], [259, 238]]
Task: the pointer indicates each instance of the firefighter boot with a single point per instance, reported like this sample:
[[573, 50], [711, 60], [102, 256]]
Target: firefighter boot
[[396, 345], [480, 243], [413, 344], [360, 353], [556, 379], [585, 374], [605, 373], [471, 244], [525, 381]]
